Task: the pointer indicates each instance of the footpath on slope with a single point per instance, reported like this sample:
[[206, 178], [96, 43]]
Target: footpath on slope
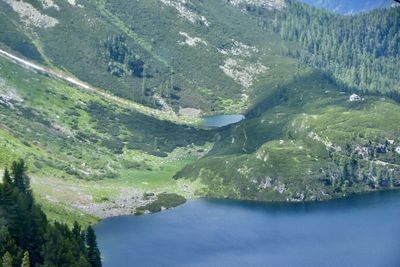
[[163, 115]]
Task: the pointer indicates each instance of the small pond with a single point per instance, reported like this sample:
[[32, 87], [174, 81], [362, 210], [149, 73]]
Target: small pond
[[221, 120]]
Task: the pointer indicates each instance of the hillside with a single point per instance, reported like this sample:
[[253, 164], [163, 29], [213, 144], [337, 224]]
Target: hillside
[[306, 142], [165, 54], [362, 58], [76, 142], [210, 57], [108, 120]]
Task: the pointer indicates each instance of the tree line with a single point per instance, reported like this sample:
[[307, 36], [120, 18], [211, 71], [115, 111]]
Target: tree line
[[27, 238]]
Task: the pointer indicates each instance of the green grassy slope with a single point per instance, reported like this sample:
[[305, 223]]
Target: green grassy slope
[[311, 144], [70, 138]]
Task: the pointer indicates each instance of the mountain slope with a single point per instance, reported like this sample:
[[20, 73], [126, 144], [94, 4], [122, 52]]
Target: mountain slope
[[211, 55], [118, 159], [160, 53]]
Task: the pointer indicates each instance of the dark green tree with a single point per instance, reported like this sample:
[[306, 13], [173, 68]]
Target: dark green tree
[[7, 177], [24, 228], [7, 260], [25, 260], [21, 181], [93, 250], [79, 235]]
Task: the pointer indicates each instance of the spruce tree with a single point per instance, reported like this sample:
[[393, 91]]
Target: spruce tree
[[79, 236], [18, 169], [25, 260], [76, 230], [7, 191], [7, 260], [7, 177], [93, 250]]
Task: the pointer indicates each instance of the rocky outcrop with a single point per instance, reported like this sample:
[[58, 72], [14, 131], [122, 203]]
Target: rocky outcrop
[[270, 4]]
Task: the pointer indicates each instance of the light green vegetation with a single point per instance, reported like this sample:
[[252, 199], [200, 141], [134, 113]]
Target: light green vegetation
[[64, 213], [69, 199]]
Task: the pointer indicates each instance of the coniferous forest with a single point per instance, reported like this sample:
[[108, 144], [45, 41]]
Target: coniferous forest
[[27, 238], [366, 58]]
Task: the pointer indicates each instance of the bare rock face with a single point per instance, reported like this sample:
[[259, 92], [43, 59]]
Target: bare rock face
[[8, 95], [31, 16], [270, 4], [185, 12]]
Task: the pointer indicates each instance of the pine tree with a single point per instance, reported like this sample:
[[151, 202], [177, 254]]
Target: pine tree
[[76, 230], [93, 250], [25, 260], [7, 177], [79, 236], [7, 242], [7, 190], [20, 181], [7, 260]]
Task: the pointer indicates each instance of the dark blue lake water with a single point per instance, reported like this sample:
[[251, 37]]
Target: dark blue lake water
[[221, 120], [357, 231]]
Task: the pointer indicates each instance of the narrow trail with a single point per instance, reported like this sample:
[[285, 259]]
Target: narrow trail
[[170, 116]]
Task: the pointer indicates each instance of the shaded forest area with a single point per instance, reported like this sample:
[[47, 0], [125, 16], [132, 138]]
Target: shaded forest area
[[27, 238]]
